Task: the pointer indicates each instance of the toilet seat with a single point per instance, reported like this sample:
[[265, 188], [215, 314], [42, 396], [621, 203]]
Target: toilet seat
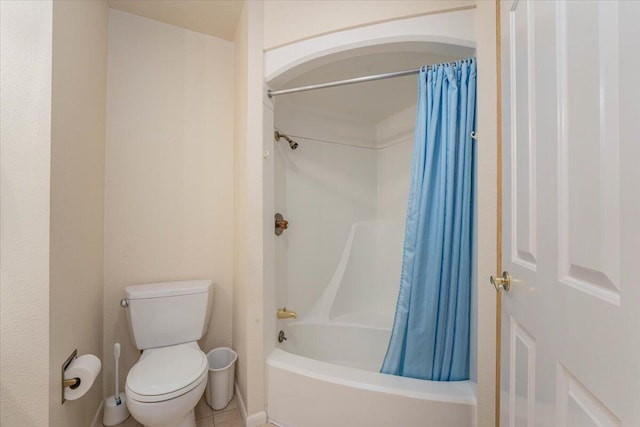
[[167, 372]]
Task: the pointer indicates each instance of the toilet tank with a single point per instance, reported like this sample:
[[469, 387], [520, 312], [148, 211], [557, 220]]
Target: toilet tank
[[168, 313]]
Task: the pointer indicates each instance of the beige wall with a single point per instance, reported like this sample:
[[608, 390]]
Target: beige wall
[[240, 200], [287, 21], [168, 171], [486, 205], [248, 208], [25, 135], [77, 195], [240, 303]]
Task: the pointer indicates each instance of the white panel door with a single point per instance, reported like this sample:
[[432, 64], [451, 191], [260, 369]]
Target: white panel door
[[571, 213]]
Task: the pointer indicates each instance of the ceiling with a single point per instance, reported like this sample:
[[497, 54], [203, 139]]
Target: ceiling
[[217, 18], [372, 101]]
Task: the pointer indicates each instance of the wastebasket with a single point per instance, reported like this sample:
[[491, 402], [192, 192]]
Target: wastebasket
[[222, 365]]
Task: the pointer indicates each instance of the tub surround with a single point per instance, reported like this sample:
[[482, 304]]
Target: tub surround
[[350, 172], [371, 173], [335, 351], [364, 286]]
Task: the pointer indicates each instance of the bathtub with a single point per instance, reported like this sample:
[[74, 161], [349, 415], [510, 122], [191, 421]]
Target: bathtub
[[326, 373]]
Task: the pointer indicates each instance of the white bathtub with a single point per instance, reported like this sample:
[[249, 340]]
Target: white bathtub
[[322, 388], [327, 371]]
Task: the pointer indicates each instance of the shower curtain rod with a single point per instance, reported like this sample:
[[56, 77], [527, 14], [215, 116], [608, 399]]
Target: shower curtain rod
[[364, 79]]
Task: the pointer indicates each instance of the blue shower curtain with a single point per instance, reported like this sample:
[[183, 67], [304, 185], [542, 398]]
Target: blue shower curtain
[[430, 336]]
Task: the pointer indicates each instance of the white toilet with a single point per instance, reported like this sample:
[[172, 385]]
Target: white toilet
[[166, 320]]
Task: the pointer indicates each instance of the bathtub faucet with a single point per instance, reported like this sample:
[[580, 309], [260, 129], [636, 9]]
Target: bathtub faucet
[[283, 313]]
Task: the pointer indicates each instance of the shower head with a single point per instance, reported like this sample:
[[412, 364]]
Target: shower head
[[292, 144]]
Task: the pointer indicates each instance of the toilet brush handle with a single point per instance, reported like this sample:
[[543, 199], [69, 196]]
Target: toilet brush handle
[[116, 354]]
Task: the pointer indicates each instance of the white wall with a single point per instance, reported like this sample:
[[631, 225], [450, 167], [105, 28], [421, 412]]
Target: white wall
[[77, 196], [25, 135], [288, 21], [168, 170]]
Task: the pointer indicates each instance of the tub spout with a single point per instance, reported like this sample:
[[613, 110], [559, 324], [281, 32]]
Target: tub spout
[[283, 313]]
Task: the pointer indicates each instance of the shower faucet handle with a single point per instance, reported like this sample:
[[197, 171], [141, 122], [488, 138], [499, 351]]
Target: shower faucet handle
[[281, 224]]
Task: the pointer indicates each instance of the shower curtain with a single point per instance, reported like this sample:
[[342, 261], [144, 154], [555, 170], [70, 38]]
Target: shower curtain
[[430, 336]]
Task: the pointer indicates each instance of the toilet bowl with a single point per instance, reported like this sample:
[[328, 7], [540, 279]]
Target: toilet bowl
[[165, 385], [165, 321]]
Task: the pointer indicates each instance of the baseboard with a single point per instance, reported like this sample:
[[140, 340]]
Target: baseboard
[[243, 408], [256, 420], [97, 418], [253, 420], [277, 422]]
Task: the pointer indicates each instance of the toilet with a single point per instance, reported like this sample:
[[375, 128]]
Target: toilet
[[165, 321]]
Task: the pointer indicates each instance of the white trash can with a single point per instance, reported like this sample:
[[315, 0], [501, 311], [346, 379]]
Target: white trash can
[[222, 366]]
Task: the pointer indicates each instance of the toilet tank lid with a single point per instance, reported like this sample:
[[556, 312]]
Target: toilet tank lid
[[167, 289]]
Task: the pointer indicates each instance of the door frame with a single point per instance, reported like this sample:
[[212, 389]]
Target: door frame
[[498, 206], [488, 209]]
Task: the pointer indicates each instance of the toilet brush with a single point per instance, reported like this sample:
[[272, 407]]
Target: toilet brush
[[115, 407], [116, 354]]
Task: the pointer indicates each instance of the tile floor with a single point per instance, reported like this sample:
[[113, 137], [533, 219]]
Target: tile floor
[[207, 417]]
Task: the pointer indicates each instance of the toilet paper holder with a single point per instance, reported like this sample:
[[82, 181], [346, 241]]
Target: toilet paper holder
[[71, 382]]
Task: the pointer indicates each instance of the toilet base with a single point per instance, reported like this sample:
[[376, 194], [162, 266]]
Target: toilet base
[[188, 421], [177, 411]]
